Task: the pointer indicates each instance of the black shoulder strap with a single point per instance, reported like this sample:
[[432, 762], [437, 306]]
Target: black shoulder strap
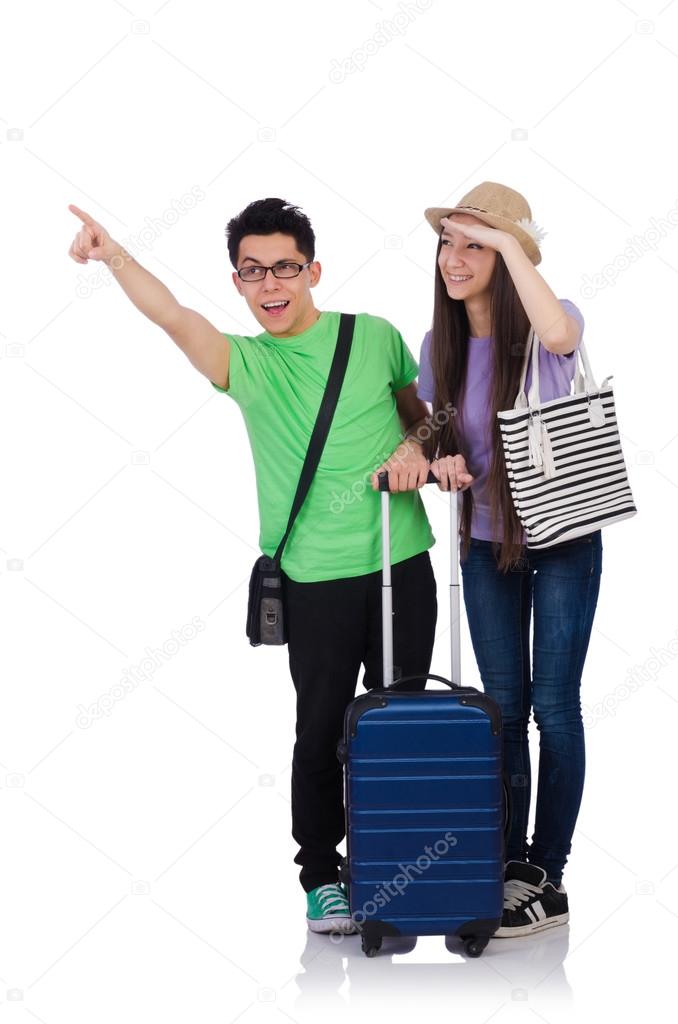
[[323, 421]]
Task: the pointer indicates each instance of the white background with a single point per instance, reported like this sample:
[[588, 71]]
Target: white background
[[145, 857]]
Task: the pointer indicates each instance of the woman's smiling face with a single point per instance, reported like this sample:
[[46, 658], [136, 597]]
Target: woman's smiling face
[[460, 257]]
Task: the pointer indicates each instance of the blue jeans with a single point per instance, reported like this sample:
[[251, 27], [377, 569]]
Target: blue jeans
[[563, 583]]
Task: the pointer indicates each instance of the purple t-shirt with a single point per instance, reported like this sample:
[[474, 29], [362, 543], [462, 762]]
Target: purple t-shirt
[[556, 374]]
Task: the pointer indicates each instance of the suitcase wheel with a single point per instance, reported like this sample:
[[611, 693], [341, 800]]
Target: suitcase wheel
[[370, 946], [474, 947]]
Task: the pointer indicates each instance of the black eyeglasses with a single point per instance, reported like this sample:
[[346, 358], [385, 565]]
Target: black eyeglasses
[[281, 270]]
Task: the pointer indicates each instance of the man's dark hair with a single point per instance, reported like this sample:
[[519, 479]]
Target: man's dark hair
[[267, 217]]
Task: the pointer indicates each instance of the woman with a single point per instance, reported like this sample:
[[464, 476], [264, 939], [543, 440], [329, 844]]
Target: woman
[[487, 293]]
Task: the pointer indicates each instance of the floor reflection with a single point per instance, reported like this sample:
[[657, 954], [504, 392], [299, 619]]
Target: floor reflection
[[336, 973]]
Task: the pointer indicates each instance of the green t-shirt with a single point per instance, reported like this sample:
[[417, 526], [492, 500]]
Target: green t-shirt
[[278, 384]]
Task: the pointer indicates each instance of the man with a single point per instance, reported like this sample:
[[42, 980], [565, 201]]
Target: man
[[332, 561]]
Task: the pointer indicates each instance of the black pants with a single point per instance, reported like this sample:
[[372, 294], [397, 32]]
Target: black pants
[[334, 626]]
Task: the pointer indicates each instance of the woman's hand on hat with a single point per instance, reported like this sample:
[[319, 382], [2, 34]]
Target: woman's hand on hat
[[483, 234], [452, 473]]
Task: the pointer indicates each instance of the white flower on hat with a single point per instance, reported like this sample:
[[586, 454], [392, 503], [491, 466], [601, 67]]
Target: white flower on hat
[[532, 229]]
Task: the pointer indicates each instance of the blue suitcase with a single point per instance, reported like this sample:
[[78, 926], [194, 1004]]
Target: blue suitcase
[[425, 797]]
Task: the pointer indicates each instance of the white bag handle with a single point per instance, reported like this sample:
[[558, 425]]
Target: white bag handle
[[583, 383]]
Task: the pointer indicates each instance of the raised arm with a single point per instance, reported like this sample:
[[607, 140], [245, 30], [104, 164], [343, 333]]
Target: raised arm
[[206, 347]]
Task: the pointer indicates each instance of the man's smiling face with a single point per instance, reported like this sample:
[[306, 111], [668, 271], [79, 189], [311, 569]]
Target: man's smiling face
[[282, 306]]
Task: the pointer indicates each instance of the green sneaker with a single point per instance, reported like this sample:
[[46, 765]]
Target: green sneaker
[[327, 910]]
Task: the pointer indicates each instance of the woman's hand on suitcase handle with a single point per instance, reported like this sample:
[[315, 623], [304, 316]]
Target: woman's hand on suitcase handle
[[451, 473]]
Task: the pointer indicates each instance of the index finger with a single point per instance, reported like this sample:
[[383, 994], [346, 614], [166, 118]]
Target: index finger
[[459, 225], [84, 217]]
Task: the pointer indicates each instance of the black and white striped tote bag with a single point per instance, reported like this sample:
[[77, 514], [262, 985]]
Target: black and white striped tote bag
[[564, 458]]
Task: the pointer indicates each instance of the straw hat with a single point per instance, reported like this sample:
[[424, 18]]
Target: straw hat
[[500, 207]]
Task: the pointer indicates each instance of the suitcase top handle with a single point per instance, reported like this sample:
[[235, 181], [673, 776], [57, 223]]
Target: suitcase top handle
[[406, 679]]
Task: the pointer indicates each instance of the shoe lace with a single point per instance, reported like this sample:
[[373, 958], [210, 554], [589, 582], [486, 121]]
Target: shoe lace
[[332, 897], [517, 891]]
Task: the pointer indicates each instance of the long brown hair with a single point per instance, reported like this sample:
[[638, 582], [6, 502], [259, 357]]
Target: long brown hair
[[449, 360]]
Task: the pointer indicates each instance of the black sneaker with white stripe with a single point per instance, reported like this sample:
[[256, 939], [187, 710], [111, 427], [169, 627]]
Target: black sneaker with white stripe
[[531, 904]]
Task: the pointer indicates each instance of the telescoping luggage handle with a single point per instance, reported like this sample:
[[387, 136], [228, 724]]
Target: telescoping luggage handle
[[387, 612], [387, 593]]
